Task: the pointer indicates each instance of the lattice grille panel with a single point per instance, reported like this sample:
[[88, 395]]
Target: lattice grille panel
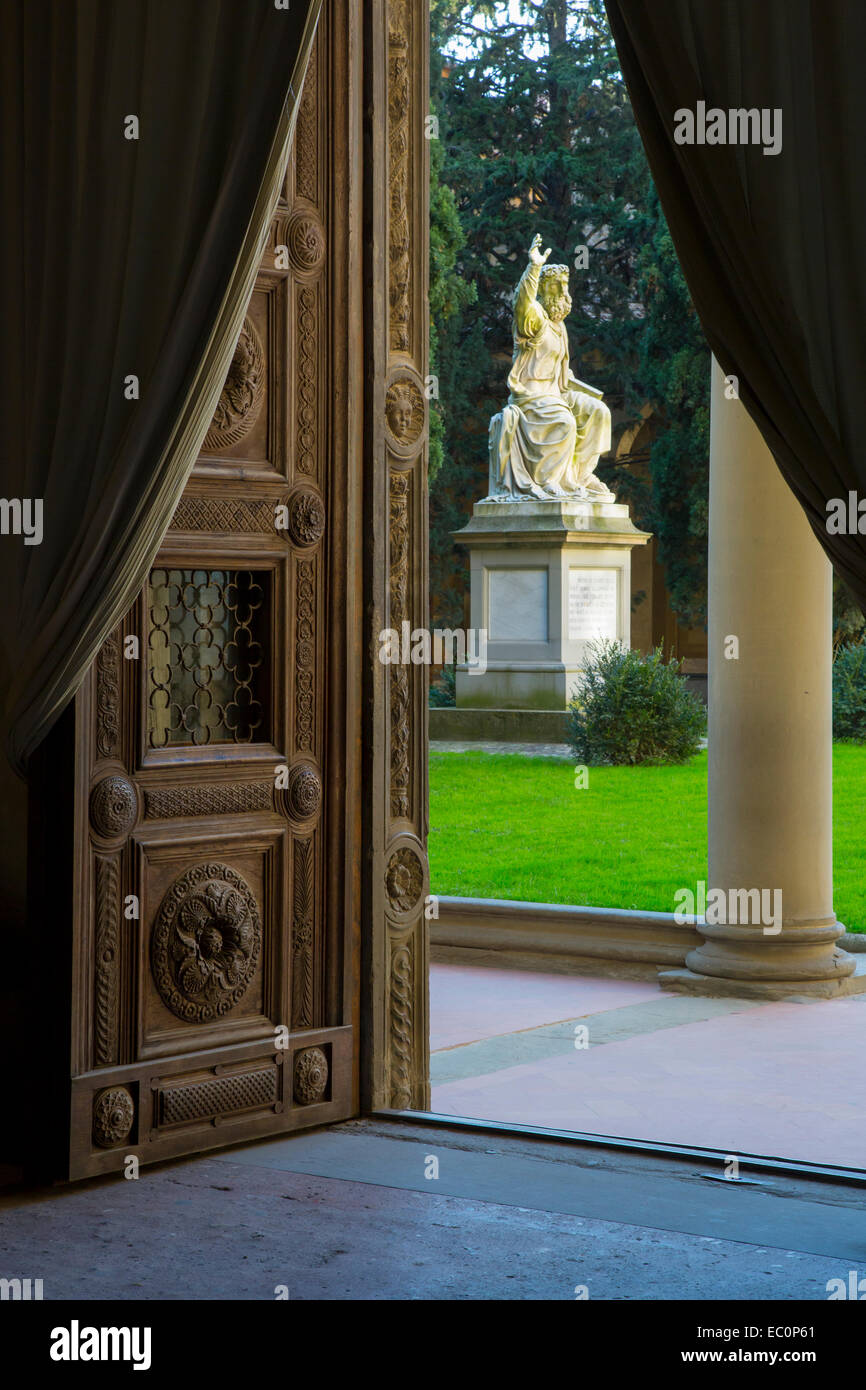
[[207, 657]]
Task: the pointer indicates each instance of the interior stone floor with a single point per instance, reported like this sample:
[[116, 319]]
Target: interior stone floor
[[781, 1079], [357, 1212]]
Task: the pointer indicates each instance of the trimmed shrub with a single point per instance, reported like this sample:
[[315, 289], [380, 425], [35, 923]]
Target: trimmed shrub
[[849, 692], [632, 708], [443, 691]]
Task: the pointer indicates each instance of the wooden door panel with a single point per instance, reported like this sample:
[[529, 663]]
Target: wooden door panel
[[215, 991]]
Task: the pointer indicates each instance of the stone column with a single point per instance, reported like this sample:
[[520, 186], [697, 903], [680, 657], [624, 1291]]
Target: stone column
[[770, 731]]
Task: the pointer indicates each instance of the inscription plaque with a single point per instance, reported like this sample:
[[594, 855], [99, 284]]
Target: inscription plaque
[[592, 604]]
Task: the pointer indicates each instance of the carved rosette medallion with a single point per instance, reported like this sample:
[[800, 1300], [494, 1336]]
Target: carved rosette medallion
[[311, 1075], [242, 395], [301, 799], [405, 413], [113, 1114], [113, 807], [305, 238], [306, 517], [206, 943], [404, 880]]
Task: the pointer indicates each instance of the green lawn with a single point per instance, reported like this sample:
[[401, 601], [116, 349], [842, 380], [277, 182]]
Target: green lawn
[[506, 826]]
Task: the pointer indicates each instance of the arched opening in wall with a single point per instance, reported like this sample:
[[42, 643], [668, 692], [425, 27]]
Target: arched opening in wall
[[568, 836]]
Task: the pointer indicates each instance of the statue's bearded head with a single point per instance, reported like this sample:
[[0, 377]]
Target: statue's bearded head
[[553, 292]]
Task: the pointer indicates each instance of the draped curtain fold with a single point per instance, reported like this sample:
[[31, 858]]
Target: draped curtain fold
[[771, 245], [125, 258]]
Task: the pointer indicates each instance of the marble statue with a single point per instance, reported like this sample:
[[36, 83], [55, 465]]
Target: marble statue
[[547, 441]]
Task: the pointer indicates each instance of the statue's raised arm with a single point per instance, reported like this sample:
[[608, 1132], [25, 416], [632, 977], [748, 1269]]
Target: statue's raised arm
[[527, 319]]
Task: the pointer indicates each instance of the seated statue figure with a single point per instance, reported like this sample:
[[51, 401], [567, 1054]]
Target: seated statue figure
[[549, 437]]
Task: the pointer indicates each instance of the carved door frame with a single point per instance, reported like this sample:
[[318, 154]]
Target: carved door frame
[[395, 1045]]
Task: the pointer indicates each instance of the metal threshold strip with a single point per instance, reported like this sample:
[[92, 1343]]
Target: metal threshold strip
[[754, 1163]]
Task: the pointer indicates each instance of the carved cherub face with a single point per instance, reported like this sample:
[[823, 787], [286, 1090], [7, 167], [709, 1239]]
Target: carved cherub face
[[401, 411], [553, 292]]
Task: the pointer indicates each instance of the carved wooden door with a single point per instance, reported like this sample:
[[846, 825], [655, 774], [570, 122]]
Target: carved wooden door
[[215, 956]]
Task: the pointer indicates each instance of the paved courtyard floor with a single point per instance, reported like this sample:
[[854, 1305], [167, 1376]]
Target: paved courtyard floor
[[785, 1080]]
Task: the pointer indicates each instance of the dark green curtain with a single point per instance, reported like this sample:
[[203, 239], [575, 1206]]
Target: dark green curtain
[[771, 245], [123, 258]]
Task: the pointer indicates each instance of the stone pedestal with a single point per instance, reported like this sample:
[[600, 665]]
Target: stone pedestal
[[546, 578]]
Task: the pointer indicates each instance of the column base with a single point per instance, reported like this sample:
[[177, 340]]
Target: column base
[[715, 987]]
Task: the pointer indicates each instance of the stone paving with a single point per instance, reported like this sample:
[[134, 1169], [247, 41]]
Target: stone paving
[[529, 750], [347, 1213], [777, 1079]]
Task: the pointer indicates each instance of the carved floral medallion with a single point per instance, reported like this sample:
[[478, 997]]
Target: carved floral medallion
[[241, 399], [306, 517], [311, 1075], [113, 1114], [305, 238], [404, 880], [206, 942], [113, 806], [303, 795]]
